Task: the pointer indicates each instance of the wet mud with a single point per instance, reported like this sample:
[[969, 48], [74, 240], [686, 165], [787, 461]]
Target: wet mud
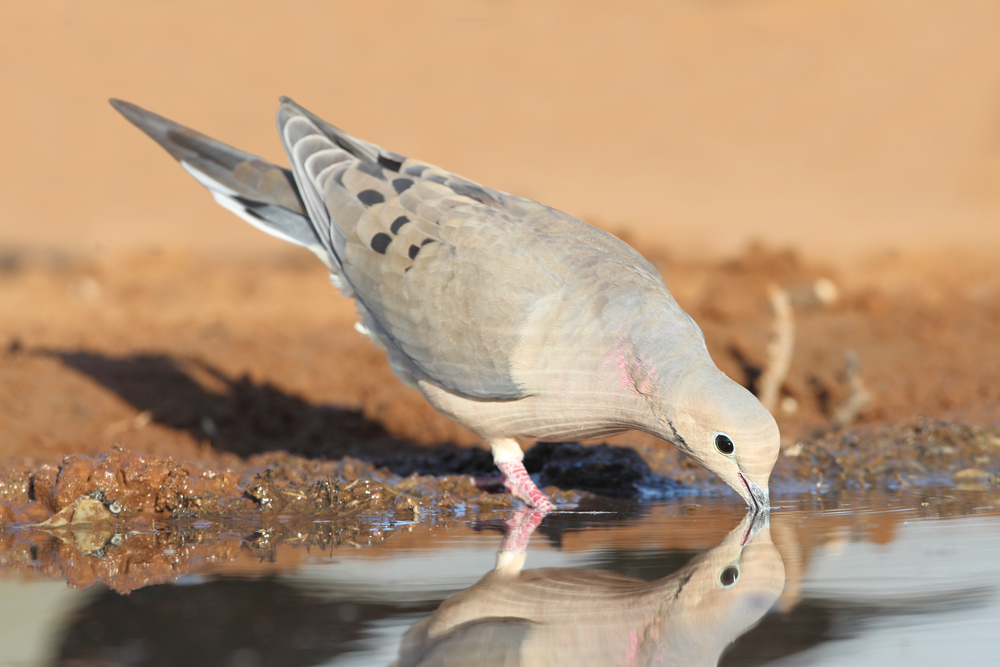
[[131, 520], [916, 452]]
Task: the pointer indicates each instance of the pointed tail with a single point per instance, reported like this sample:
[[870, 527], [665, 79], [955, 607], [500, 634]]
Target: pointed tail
[[261, 193]]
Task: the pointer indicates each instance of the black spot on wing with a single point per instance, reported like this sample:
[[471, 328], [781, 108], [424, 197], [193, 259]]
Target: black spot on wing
[[370, 169], [401, 184], [370, 197], [415, 250], [398, 223], [415, 170], [380, 242], [391, 160]]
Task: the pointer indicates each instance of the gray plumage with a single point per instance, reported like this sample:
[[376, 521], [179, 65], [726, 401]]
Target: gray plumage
[[587, 616], [514, 319]]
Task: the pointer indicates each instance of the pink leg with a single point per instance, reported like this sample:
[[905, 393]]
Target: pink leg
[[516, 479], [519, 530]]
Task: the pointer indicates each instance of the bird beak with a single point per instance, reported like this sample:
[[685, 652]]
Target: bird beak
[[759, 498]]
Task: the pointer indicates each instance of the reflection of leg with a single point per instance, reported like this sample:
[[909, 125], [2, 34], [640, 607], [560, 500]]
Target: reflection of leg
[[519, 528], [507, 454]]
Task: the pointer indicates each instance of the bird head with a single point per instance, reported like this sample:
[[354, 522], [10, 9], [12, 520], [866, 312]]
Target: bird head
[[726, 429], [726, 591]]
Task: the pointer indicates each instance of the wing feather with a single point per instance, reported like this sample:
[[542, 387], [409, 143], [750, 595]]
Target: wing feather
[[419, 247]]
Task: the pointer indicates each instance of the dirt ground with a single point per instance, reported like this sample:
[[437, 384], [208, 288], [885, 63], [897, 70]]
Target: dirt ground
[[844, 152], [211, 359]]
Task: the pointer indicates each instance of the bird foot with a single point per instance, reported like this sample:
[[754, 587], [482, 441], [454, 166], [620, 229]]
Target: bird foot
[[519, 484]]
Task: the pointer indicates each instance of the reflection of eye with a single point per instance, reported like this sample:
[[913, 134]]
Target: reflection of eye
[[724, 444], [729, 576]]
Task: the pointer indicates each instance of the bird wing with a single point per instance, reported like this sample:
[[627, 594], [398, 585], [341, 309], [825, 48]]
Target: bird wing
[[447, 273], [446, 268]]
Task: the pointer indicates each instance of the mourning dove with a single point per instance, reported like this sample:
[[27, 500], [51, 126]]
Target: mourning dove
[[588, 616], [512, 318]]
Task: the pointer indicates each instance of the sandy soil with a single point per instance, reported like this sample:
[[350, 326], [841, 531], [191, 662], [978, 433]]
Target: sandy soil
[[217, 383], [199, 357], [738, 145]]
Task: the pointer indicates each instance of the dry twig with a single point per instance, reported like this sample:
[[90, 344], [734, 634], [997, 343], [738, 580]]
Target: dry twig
[[779, 349], [859, 397]]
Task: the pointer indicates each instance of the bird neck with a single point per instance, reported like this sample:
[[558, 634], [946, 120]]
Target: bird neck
[[660, 363]]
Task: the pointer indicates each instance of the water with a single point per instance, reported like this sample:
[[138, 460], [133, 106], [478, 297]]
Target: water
[[832, 580]]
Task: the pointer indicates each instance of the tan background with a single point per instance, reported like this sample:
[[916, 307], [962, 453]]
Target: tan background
[[838, 127], [862, 135]]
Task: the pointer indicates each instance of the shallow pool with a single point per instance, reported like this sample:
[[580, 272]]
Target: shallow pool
[[830, 579]]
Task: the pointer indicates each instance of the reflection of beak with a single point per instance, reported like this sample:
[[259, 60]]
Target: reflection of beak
[[759, 498], [755, 522]]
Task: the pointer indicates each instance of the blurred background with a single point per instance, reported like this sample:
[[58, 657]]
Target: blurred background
[[843, 152], [740, 144], [837, 127]]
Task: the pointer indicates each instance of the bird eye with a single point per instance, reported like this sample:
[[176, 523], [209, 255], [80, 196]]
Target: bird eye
[[724, 444], [729, 576]]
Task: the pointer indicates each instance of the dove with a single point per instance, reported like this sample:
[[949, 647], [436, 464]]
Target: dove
[[515, 320], [590, 616]]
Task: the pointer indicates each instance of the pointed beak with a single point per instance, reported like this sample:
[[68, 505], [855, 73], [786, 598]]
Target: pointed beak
[[758, 497]]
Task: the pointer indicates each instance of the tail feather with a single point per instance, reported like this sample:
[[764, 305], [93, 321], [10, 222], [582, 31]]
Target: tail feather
[[263, 194]]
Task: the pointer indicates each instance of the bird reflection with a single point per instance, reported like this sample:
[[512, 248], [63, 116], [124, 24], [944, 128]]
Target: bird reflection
[[586, 616]]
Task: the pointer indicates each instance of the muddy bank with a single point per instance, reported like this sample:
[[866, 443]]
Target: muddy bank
[[130, 485], [131, 520], [915, 452], [122, 485]]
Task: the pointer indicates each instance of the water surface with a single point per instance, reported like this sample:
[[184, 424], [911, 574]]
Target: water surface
[[830, 579]]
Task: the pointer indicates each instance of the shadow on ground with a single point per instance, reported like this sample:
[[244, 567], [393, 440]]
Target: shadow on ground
[[244, 417], [237, 414]]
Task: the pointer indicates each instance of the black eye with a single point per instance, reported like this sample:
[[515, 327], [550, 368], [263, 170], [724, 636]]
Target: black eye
[[729, 576], [724, 444]]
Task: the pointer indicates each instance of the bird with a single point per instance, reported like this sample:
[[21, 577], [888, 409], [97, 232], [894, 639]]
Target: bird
[[516, 320], [591, 616]]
